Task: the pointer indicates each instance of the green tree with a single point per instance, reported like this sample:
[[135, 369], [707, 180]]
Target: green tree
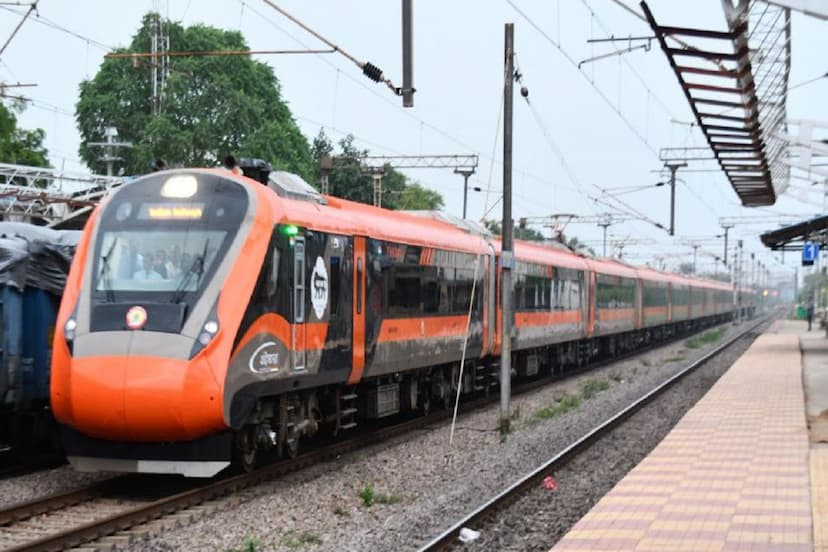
[[17, 145], [685, 268], [577, 245], [414, 196], [348, 181], [212, 106], [525, 234]]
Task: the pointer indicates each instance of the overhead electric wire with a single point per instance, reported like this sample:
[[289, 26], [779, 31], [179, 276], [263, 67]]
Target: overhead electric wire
[[479, 258], [572, 62], [48, 23], [371, 71], [395, 105], [32, 8], [557, 151], [627, 63], [809, 81]]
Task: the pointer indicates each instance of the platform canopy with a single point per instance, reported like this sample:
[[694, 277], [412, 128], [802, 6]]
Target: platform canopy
[[736, 81], [792, 238]]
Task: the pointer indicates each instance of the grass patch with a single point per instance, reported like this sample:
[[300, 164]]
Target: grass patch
[[294, 540], [367, 495], [370, 497], [567, 403], [706, 338], [616, 377], [678, 358], [387, 499], [250, 544], [593, 386]]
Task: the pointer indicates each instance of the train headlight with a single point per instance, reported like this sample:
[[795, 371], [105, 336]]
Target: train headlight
[[180, 186], [69, 329], [207, 333]]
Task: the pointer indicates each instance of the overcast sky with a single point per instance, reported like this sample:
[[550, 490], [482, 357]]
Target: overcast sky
[[608, 120]]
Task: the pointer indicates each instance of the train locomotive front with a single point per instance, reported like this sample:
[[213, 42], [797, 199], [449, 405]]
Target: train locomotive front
[[159, 284]]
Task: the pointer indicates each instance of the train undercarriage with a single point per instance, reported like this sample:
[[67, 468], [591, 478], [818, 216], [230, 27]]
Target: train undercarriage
[[278, 425]]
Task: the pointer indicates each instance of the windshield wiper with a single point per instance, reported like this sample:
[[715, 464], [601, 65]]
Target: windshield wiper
[[196, 267], [106, 273]]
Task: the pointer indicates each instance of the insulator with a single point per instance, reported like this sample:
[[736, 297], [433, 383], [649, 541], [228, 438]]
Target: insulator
[[372, 71]]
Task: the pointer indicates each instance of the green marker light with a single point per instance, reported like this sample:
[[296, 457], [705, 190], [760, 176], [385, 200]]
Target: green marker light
[[290, 230]]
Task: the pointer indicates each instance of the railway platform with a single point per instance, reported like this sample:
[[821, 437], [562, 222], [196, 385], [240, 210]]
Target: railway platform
[[746, 469]]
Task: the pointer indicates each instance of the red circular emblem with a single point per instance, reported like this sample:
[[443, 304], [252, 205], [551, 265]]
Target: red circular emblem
[[136, 317]]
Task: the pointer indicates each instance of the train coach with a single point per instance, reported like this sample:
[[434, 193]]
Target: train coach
[[34, 262], [208, 318]]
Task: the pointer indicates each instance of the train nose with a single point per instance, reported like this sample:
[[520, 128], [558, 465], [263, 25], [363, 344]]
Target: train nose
[[144, 398]]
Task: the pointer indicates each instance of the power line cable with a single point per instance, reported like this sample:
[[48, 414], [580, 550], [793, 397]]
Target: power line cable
[[368, 69], [49, 23], [32, 8], [384, 98], [627, 62], [809, 81], [574, 64]]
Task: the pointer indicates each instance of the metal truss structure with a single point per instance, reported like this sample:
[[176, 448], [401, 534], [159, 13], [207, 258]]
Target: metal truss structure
[[375, 165], [736, 83], [48, 197]]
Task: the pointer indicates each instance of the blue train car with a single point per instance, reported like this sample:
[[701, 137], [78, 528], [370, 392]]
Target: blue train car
[[34, 262]]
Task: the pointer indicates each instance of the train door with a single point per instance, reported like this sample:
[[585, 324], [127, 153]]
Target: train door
[[591, 306], [297, 345], [358, 333], [491, 301]]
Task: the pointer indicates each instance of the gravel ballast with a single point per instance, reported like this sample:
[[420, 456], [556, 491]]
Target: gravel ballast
[[420, 485], [542, 517]]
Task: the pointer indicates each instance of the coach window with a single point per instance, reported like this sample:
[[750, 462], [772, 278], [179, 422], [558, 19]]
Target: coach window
[[430, 290], [274, 274]]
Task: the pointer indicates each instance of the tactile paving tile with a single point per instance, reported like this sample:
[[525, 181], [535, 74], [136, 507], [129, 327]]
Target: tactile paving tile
[[732, 475]]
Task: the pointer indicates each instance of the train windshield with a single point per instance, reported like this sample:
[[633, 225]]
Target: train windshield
[[156, 260], [163, 237]]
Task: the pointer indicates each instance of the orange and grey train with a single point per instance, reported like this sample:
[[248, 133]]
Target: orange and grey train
[[208, 318]]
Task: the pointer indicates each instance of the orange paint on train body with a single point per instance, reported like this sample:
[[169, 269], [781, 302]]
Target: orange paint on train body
[[275, 325], [144, 396], [165, 399], [411, 329], [614, 315], [530, 319]]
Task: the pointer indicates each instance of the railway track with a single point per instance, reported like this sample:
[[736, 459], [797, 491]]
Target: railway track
[[118, 508], [488, 513]]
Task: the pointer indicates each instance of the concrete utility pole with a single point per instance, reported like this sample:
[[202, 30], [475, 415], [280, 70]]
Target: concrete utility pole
[[465, 173], [606, 223], [695, 251], [506, 258], [110, 148], [727, 228], [739, 261], [407, 56], [673, 167]]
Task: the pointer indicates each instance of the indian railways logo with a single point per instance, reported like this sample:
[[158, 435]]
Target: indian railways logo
[[265, 359], [136, 317], [319, 288]]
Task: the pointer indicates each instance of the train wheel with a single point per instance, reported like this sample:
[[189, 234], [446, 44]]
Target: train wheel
[[292, 445], [425, 401], [246, 449], [289, 418]]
